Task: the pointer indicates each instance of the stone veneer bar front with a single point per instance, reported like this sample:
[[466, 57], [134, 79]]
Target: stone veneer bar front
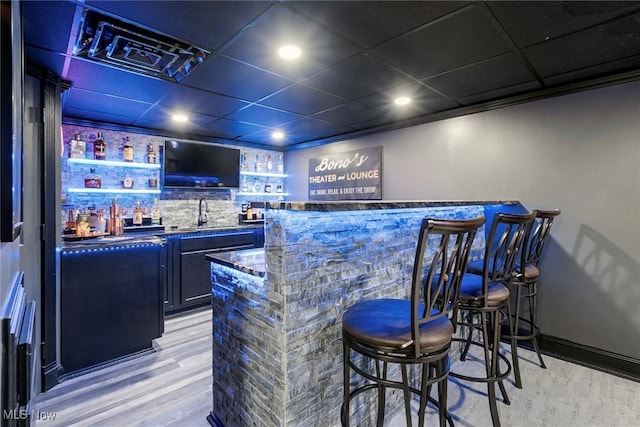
[[277, 351]]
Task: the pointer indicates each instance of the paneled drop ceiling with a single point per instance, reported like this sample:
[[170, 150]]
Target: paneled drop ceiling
[[449, 57]]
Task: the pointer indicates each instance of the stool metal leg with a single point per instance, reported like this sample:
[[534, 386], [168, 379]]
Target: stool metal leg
[[344, 412]]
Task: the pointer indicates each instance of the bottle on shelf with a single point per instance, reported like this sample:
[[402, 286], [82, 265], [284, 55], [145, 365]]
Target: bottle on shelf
[[155, 212], [269, 164], [279, 188], [249, 211], [77, 147], [245, 164], [92, 179], [280, 167], [99, 148], [127, 150], [267, 186], [115, 222], [256, 185], [258, 163], [137, 214], [245, 185], [151, 154], [89, 148], [153, 180], [127, 181]]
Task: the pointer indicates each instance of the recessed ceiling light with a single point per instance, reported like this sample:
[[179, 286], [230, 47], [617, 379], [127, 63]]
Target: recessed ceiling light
[[289, 51], [402, 100], [277, 135], [179, 117]]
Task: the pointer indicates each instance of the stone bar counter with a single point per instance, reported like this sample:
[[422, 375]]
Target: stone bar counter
[[277, 351]]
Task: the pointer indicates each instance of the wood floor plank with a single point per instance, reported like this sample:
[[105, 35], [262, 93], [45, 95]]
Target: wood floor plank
[[171, 386]]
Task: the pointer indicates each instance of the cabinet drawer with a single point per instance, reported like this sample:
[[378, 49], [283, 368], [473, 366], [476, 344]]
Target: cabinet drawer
[[191, 244]]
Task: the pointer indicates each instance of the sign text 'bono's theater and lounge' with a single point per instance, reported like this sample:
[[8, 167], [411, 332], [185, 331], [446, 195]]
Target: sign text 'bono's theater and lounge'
[[352, 175]]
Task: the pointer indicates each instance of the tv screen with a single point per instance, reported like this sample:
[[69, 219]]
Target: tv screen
[[200, 165]]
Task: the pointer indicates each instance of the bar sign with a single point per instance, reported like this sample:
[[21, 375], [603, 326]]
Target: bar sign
[[352, 175]]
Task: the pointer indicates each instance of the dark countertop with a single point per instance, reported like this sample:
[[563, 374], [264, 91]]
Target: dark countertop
[[378, 204], [113, 241], [251, 261], [152, 236]]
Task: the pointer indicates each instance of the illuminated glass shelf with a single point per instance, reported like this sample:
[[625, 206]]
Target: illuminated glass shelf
[[114, 163], [269, 174], [113, 190], [249, 193]]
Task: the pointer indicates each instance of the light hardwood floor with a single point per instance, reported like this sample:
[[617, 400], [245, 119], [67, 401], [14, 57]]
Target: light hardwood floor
[[172, 387], [169, 387]]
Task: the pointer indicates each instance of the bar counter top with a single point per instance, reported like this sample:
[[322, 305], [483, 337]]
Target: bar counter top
[[251, 261], [377, 205]]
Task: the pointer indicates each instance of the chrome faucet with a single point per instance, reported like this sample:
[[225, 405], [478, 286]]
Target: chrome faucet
[[202, 217]]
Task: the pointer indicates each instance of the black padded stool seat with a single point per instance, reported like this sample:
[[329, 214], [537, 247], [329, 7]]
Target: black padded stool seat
[[387, 323], [471, 292], [412, 331]]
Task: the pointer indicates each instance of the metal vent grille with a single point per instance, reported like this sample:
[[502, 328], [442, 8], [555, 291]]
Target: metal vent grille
[[107, 40]]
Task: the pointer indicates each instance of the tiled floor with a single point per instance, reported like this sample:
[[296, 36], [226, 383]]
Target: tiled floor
[[564, 394]]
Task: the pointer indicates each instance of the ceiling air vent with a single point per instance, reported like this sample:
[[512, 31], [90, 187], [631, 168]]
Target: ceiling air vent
[[125, 46]]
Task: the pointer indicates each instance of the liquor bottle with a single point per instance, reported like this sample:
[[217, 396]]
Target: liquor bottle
[[89, 148], [151, 154], [77, 147], [99, 148], [155, 212], [279, 188], [92, 179], [258, 164], [153, 180], [127, 181], [137, 214], [269, 164], [256, 185], [267, 186], [280, 164], [127, 151], [245, 164], [245, 185]]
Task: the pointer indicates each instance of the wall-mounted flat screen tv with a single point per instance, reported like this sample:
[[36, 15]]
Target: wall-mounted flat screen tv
[[200, 165]]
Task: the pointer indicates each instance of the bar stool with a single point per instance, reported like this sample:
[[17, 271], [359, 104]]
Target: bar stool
[[484, 296], [415, 331], [525, 284]]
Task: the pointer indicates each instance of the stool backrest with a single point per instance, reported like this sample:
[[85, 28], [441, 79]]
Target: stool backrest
[[441, 259], [504, 247], [540, 228]]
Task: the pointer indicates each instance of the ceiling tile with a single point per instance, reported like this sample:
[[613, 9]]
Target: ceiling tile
[[529, 22], [233, 129], [98, 116], [303, 100], [349, 114], [198, 101], [187, 20], [101, 78], [230, 77], [369, 23], [461, 39], [496, 94], [503, 71], [594, 46], [85, 100], [47, 23], [423, 101], [358, 76], [263, 116], [259, 43]]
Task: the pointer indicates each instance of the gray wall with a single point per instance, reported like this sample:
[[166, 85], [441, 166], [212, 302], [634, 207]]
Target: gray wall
[[579, 153]]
